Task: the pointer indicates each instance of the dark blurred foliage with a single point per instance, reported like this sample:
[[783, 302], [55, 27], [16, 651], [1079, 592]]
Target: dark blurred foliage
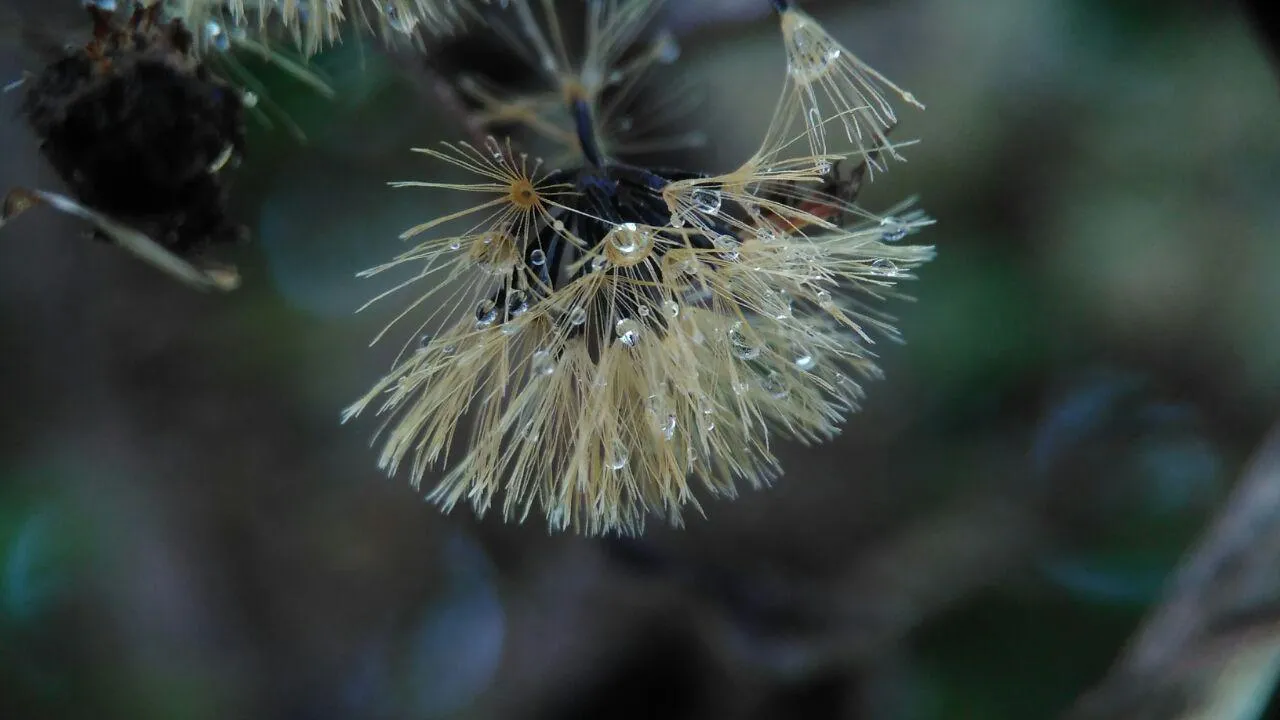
[[186, 531]]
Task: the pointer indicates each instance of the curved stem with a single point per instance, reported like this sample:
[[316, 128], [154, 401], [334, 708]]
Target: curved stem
[[586, 131]]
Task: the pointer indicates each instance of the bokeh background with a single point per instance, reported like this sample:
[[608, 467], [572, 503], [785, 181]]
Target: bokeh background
[[186, 531]]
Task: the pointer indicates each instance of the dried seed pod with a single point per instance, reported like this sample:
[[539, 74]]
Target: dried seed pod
[[140, 131]]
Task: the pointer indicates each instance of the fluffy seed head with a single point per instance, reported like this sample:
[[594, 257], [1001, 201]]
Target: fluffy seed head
[[599, 342], [312, 24]]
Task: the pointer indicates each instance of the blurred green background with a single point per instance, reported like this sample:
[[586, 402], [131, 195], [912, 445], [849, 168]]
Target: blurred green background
[[187, 532]]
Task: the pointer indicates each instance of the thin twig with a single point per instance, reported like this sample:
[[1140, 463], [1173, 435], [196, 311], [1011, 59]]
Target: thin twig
[[1212, 647]]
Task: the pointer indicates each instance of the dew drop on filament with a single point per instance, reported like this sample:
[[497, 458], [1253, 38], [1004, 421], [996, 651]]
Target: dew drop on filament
[[215, 35], [486, 314], [892, 230], [706, 201], [775, 385], [628, 332], [743, 349], [618, 456], [543, 363]]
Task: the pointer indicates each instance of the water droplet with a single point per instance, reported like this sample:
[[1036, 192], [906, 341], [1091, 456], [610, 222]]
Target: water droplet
[[630, 240], [775, 385], [669, 427], [743, 349], [577, 316], [823, 299], [706, 201], [424, 342], [455, 245], [400, 23], [884, 268], [823, 167], [495, 149], [537, 258], [216, 36], [671, 308], [643, 311], [599, 263], [676, 221], [892, 230], [665, 48], [739, 387], [628, 332], [486, 314], [813, 56], [618, 456], [517, 303], [804, 359], [558, 226], [781, 307], [249, 99], [625, 123], [728, 246], [543, 363]]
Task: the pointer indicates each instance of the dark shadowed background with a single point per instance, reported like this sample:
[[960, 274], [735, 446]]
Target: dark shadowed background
[[186, 531]]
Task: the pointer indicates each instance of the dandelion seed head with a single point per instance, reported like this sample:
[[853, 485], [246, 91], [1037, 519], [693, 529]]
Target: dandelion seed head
[[616, 342], [314, 24]]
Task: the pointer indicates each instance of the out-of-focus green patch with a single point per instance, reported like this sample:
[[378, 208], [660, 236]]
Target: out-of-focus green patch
[[45, 549], [977, 324], [303, 100], [1135, 480], [1117, 24], [42, 547], [1009, 659]]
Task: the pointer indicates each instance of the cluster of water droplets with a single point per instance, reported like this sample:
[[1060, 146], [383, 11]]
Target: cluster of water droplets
[[814, 54]]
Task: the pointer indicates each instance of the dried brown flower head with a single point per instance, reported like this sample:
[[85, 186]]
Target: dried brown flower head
[[140, 131]]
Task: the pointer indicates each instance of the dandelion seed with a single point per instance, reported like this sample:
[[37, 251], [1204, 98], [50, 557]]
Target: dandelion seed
[[670, 323], [828, 84]]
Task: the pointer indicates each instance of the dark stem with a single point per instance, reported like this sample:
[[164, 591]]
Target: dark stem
[[581, 112]]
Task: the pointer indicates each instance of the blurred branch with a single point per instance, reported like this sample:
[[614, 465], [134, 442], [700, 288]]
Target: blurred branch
[[1211, 649]]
